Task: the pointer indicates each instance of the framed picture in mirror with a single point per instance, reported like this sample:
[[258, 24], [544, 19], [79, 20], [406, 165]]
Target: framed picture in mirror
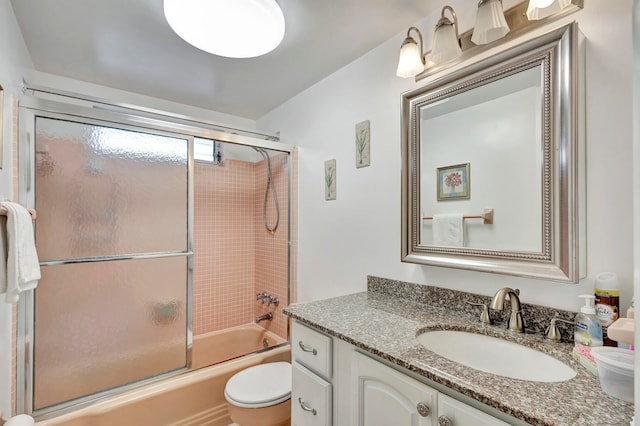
[[453, 182]]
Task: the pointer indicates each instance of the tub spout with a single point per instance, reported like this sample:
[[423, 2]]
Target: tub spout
[[268, 316]]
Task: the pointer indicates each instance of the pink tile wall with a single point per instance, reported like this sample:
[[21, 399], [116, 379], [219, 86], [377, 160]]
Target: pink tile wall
[[271, 253], [235, 257]]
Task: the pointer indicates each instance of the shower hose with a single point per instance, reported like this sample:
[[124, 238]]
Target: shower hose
[[267, 160]]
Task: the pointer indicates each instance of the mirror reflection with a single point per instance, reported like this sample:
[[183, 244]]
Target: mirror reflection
[[482, 149]]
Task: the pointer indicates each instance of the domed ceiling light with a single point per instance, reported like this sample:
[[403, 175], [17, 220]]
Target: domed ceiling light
[[230, 28]]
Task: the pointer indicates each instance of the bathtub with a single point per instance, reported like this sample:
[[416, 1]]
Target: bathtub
[[195, 398]]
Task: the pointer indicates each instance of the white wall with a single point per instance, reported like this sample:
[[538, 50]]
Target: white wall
[[342, 241]]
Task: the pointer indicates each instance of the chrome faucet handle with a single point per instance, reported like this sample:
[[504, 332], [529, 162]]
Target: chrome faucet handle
[[484, 316], [553, 332]]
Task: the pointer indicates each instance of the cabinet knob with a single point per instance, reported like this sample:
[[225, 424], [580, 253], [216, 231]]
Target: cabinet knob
[[444, 421], [306, 348], [423, 409], [305, 407]]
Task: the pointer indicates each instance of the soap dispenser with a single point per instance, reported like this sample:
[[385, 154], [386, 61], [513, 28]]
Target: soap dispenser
[[588, 330]]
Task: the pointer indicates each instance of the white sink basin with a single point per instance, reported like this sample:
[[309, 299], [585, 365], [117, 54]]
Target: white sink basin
[[496, 356]]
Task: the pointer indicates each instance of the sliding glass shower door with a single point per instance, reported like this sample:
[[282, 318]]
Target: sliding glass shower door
[[113, 241]]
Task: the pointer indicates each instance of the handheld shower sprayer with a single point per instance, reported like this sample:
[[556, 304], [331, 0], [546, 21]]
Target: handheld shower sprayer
[[267, 160]]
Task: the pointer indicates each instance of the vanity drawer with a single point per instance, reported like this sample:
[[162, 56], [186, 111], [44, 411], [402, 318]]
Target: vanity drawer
[[310, 398], [311, 349]]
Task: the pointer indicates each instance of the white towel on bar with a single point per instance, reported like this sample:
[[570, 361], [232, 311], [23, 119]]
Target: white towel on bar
[[448, 229], [19, 264]]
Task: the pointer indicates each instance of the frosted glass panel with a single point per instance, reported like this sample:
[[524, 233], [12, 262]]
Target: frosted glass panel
[[103, 324], [104, 191]]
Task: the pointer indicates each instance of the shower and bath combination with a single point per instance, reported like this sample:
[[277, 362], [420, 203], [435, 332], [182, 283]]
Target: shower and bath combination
[[201, 214]]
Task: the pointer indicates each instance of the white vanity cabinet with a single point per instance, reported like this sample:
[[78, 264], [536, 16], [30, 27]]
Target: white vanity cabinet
[[311, 390], [452, 412], [384, 396], [334, 384]]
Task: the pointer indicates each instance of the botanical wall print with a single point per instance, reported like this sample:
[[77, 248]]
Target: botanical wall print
[[330, 179], [454, 182], [363, 144]]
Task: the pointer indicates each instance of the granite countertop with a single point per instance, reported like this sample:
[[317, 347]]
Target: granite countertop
[[386, 326]]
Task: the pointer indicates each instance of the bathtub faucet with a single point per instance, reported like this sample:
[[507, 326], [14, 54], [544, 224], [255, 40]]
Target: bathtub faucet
[[268, 316]]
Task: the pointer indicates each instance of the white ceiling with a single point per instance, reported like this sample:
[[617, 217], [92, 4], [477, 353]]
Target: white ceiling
[[128, 45]]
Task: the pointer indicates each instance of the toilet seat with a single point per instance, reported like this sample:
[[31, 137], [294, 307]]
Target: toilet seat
[[260, 386]]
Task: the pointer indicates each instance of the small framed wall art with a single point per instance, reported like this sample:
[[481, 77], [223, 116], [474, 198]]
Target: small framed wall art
[[454, 182], [330, 180], [363, 144]]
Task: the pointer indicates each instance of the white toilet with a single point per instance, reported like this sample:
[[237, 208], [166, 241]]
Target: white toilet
[[260, 395]]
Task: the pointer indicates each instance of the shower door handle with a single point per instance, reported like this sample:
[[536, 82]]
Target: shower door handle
[[28, 162]]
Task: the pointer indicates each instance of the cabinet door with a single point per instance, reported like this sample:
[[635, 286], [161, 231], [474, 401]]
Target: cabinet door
[[461, 414], [310, 398], [387, 397]]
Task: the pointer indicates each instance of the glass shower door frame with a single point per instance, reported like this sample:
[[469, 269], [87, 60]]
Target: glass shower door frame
[[26, 306], [85, 109]]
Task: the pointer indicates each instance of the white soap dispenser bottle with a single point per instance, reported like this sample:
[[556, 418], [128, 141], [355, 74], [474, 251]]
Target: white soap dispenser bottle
[[588, 330]]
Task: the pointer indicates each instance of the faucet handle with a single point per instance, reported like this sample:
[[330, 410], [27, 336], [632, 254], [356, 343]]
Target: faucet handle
[[484, 316], [553, 332]]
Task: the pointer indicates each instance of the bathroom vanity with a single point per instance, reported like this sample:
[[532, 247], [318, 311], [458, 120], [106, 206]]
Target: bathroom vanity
[[357, 361]]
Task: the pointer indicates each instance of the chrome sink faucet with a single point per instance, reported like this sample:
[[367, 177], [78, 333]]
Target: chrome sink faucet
[[515, 322]]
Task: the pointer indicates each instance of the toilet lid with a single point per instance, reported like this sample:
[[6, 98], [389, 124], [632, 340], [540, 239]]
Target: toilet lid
[[262, 385]]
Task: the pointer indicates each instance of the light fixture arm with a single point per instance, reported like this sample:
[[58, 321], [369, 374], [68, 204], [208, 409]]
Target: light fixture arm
[[445, 21], [421, 43]]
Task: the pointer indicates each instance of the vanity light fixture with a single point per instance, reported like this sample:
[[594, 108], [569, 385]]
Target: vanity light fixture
[[491, 24], [446, 46], [230, 28], [539, 9], [412, 59], [446, 39]]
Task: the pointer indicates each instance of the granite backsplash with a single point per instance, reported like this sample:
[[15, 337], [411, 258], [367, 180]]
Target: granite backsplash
[[536, 318]]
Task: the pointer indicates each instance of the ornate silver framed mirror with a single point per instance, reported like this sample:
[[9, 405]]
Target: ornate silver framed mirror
[[492, 176]]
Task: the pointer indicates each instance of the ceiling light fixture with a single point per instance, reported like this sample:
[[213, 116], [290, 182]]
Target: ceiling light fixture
[[491, 24], [230, 28], [539, 9]]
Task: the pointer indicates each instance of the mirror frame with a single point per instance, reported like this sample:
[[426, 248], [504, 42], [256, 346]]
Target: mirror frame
[[557, 52]]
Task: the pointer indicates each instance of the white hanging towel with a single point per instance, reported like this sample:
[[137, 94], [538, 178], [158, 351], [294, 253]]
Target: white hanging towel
[[19, 264], [448, 229]]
